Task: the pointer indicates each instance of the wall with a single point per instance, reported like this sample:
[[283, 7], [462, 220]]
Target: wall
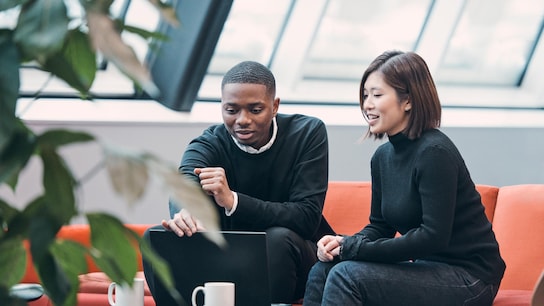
[[495, 155]]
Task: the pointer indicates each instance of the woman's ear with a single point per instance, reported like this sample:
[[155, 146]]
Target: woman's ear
[[407, 105]]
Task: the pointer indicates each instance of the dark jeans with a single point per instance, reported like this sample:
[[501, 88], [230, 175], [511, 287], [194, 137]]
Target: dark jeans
[[418, 283], [290, 258]]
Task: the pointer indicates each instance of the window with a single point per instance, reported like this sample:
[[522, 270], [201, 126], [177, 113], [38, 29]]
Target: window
[[482, 53]]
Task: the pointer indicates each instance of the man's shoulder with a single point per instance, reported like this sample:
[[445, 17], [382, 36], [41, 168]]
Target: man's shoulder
[[299, 119], [212, 134]]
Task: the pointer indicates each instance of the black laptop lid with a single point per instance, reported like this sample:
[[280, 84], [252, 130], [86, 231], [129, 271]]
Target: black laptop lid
[[196, 260]]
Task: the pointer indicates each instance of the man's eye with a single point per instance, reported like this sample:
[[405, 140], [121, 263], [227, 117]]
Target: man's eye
[[231, 110], [256, 110]]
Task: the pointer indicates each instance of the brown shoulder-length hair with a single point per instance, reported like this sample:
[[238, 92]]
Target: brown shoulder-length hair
[[409, 75]]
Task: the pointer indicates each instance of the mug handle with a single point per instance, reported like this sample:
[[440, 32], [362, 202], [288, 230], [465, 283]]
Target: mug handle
[[195, 291], [110, 294]]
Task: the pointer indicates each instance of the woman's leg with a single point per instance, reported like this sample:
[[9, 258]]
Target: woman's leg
[[316, 283], [418, 283]]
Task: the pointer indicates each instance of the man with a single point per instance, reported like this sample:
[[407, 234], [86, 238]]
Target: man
[[266, 172]]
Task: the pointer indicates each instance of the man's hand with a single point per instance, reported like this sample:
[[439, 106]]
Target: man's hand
[[183, 224], [328, 247], [214, 182]]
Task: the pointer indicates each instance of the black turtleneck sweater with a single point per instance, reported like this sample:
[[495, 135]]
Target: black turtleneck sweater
[[422, 189]]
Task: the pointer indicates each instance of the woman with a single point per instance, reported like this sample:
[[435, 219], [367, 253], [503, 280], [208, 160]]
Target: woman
[[447, 253]]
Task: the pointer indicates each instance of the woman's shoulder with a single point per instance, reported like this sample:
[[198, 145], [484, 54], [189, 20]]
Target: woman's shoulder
[[436, 138]]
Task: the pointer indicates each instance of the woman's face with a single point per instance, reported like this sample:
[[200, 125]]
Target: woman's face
[[382, 108]]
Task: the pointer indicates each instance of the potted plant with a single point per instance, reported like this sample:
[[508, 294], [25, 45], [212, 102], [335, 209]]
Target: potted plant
[[42, 34]]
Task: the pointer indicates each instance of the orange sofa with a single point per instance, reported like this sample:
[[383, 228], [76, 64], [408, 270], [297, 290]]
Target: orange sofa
[[517, 215], [516, 212]]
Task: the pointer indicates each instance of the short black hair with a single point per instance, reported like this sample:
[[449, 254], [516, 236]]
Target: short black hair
[[409, 75], [250, 72]]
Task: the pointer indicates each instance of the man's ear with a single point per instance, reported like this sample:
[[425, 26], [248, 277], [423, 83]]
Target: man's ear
[[276, 105]]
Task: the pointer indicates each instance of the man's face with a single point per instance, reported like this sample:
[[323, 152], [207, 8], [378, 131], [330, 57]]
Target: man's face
[[248, 112]]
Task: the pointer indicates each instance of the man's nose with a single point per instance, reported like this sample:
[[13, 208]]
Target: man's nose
[[244, 118]]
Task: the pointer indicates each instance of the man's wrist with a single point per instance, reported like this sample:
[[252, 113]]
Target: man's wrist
[[229, 212]]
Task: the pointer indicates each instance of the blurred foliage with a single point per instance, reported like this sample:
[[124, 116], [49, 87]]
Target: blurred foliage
[[45, 35]]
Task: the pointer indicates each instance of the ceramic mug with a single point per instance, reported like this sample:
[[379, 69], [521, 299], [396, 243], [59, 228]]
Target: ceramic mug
[[124, 295], [215, 294]]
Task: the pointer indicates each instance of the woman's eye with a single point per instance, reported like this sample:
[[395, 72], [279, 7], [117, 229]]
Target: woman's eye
[[365, 97]]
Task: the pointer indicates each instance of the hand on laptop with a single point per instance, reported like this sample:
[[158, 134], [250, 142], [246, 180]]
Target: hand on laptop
[[183, 224], [328, 247]]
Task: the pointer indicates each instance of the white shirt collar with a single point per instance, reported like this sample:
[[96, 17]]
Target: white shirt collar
[[252, 150]]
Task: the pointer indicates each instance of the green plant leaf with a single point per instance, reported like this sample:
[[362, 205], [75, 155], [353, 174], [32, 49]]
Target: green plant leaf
[[9, 85], [12, 261], [16, 154], [7, 300], [20, 223], [56, 138], [75, 63], [58, 286], [71, 256], [59, 185], [42, 232], [7, 213], [112, 248], [41, 28], [160, 267], [61, 287], [143, 33]]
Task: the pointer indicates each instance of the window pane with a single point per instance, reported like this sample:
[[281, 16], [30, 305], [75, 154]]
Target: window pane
[[250, 33], [109, 81], [492, 43], [353, 32]]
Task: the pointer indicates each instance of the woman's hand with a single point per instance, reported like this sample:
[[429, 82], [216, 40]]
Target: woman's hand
[[328, 247]]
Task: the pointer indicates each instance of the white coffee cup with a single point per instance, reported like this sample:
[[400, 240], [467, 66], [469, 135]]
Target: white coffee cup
[[215, 294], [125, 295]]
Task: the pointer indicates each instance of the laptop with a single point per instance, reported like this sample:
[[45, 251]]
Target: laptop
[[196, 260]]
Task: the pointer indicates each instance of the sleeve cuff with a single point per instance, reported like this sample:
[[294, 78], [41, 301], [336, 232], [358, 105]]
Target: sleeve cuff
[[234, 205]]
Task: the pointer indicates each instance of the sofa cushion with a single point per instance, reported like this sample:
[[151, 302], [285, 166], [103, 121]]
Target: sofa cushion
[[347, 206], [98, 282], [513, 298], [489, 195], [518, 225]]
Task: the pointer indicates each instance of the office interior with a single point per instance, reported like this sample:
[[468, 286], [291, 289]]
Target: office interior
[[487, 58]]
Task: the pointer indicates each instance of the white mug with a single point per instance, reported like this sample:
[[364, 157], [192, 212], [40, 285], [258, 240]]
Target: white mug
[[215, 294], [126, 295]]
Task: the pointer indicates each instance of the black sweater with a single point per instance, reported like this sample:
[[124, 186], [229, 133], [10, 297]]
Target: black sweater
[[284, 186], [422, 189]]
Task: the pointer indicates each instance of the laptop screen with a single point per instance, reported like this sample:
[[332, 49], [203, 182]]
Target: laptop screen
[[196, 260]]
